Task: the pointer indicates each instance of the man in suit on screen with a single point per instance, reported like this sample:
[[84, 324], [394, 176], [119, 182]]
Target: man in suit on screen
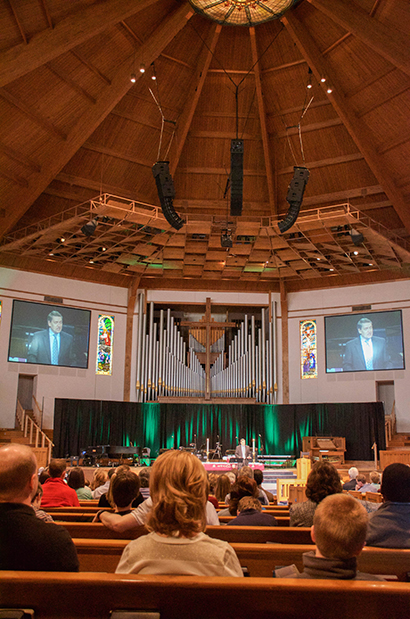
[[366, 352], [52, 346]]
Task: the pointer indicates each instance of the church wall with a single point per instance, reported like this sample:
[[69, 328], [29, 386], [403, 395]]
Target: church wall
[[360, 386], [53, 381]]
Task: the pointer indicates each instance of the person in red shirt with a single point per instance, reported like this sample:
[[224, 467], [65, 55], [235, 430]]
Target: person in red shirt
[[56, 493]]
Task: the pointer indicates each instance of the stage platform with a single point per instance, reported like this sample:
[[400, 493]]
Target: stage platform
[[224, 467]]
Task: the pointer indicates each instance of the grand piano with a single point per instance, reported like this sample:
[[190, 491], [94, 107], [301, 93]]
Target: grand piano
[[102, 454]]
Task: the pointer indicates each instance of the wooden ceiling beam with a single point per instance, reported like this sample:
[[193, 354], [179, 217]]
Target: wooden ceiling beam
[[31, 113], [116, 154], [72, 31], [350, 279], [17, 156], [263, 124], [73, 85], [46, 12], [357, 129], [90, 66], [325, 162], [193, 96], [333, 122], [375, 34], [93, 117], [18, 22], [33, 264]]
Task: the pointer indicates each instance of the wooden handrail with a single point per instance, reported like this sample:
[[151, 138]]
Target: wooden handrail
[[30, 427]]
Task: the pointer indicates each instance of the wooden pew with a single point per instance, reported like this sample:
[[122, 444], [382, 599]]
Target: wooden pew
[[255, 535], [56, 595], [259, 559], [283, 521]]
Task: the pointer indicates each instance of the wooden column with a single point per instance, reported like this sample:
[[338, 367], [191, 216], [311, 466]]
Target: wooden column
[[132, 295], [285, 342]]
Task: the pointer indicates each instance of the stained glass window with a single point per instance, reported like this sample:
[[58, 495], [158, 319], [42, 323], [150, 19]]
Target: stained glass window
[[308, 349], [105, 344]]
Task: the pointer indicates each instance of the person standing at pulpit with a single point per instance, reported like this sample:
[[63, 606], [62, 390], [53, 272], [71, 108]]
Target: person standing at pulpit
[[243, 450]]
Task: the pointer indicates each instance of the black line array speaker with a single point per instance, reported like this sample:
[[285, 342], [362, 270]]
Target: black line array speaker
[[236, 177], [166, 193], [294, 197]]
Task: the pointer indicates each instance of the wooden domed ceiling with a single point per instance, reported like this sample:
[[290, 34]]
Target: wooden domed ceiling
[[78, 141]]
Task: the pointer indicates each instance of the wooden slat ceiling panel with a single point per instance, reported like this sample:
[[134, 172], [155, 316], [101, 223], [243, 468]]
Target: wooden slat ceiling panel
[[48, 102]]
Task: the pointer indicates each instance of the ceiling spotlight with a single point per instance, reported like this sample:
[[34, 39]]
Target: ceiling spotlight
[[309, 83], [51, 253], [142, 67], [355, 253], [133, 78], [89, 228], [329, 89], [91, 261], [153, 76], [103, 249], [323, 79]]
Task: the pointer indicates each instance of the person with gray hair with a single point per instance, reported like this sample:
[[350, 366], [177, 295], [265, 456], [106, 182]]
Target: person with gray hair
[[26, 542], [351, 484]]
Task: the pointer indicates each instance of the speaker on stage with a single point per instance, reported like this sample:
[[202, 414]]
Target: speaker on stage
[[166, 193], [294, 196], [236, 177]]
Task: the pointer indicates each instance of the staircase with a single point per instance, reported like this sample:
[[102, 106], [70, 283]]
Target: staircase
[[30, 434]]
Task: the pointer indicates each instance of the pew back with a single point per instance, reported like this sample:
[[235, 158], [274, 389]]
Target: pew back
[[55, 595], [255, 535], [259, 559]]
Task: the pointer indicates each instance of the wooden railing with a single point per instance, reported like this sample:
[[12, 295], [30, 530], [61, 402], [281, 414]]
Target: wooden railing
[[37, 412], [30, 428]]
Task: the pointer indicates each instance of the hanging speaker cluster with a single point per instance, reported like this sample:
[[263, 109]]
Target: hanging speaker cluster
[[166, 193], [294, 196], [236, 177]]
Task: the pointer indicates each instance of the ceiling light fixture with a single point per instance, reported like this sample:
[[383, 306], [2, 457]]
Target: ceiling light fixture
[[309, 83], [329, 90], [142, 67], [133, 78], [323, 79], [242, 12]]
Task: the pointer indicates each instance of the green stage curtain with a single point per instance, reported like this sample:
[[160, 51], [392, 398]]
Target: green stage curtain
[[279, 429]]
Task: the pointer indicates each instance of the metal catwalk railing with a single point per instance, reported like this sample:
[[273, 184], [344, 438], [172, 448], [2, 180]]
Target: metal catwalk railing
[[164, 366]]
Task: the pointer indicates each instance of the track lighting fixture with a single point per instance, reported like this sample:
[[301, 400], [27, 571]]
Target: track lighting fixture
[[133, 78]]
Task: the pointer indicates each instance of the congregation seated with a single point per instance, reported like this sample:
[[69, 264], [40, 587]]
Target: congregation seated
[[245, 486], [124, 489], [27, 542], [389, 526], [222, 488], [212, 479], [100, 482], [353, 472], [36, 502], [76, 481], [363, 485], [56, 493], [323, 480], [106, 499], [339, 532], [177, 543], [250, 514], [258, 477], [144, 476]]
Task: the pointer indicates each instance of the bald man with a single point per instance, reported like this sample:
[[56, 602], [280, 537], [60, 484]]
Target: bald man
[[26, 542]]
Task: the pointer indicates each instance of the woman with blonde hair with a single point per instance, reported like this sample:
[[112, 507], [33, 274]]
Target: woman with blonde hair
[[177, 543]]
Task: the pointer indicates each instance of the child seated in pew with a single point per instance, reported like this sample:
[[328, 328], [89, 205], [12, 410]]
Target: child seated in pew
[[124, 488], [339, 532], [177, 543]]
